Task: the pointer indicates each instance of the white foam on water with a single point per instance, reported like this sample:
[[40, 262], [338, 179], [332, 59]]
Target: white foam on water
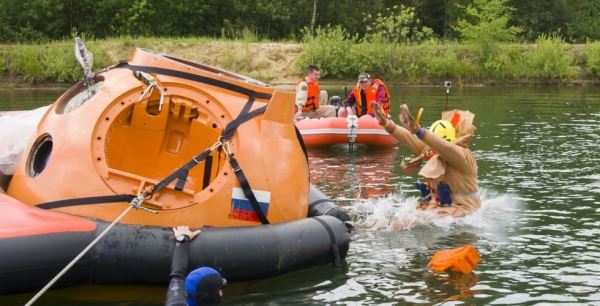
[[396, 211]]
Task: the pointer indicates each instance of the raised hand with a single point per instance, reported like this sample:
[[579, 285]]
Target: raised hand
[[406, 119], [379, 114], [383, 120], [185, 230]]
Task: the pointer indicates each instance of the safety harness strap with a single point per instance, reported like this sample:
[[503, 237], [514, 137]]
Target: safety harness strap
[[247, 190], [87, 201], [207, 171], [335, 251], [302, 144], [317, 202], [182, 173], [243, 117], [183, 178], [195, 78]]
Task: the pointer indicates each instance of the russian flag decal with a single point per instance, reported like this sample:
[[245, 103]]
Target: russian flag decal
[[241, 209]]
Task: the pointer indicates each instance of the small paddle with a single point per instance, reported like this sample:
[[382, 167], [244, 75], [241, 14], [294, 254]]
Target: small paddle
[[419, 115]]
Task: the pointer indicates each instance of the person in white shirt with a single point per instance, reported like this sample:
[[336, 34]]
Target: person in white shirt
[[310, 99]]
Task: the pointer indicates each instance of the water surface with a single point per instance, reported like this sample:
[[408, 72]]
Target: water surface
[[538, 153]]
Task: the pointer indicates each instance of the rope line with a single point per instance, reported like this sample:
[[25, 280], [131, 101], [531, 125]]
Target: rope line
[[78, 257]]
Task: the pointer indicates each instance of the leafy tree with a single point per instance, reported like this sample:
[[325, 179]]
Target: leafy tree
[[6, 31], [38, 20], [538, 17], [486, 23], [586, 24], [440, 16], [398, 25], [347, 14]]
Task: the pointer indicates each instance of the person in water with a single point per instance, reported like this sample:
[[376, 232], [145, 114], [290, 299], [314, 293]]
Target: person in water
[[309, 97], [444, 160], [366, 92], [203, 286]]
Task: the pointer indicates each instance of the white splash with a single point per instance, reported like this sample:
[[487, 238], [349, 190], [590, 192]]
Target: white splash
[[396, 211]]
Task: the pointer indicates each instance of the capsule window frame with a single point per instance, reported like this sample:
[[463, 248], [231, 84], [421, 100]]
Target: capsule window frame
[[40, 155]]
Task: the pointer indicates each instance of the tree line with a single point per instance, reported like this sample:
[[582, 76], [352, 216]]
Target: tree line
[[43, 20]]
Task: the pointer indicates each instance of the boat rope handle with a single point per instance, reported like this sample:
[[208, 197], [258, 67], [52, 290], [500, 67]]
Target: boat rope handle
[[328, 210], [135, 203]]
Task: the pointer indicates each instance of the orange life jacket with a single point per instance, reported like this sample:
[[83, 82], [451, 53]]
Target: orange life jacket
[[312, 97], [371, 95]]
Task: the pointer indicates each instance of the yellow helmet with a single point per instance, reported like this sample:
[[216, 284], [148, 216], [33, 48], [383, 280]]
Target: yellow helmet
[[444, 129]]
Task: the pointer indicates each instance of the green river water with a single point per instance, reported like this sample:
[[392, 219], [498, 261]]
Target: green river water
[[538, 152]]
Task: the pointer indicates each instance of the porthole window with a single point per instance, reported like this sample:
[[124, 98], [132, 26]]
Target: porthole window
[[39, 155]]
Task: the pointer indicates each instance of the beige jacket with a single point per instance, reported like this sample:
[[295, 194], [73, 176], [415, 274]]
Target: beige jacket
[[455, 164]]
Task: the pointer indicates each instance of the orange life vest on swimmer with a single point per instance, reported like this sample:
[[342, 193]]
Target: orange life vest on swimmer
[[312, 97], [371, 95]]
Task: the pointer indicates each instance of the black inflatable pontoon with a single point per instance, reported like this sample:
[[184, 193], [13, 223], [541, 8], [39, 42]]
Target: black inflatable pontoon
[[132, 254]]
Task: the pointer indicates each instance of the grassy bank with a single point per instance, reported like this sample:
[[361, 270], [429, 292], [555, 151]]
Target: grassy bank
[[550, 60], [54, 62]]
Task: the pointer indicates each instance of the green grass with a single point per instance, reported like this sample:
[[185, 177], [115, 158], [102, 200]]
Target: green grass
[[593, 58], [54, 61], [51, 62], [549, 60]]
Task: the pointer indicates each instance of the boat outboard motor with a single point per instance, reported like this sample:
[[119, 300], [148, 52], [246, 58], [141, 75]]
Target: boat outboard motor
[[352, 121], [447, 85], [336, 101]]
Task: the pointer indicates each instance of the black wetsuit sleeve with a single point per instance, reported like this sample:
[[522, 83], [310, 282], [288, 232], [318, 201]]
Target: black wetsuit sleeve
[[176, 292], [179, 267]]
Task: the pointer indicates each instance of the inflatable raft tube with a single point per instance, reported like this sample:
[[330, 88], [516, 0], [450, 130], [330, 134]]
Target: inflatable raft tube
[[321, 205], [36, 244], [334, 131]]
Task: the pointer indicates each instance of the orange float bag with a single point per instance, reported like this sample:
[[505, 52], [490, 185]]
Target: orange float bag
[[463, 259]]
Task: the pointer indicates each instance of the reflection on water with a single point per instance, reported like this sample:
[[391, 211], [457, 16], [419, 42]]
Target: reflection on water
[[346, 176], [538, 154], [22, 99]]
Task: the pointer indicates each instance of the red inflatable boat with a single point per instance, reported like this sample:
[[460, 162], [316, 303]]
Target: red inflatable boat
[[334, 131]]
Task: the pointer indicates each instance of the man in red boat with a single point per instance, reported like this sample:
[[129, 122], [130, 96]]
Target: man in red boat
[[366, 92], [450, 169], [203, 286], [309, 97]]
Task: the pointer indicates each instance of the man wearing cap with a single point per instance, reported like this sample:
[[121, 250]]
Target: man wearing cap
[[202, 286], [309, 97], [365, 92]]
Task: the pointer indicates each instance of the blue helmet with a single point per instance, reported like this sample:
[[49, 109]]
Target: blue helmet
[[202, 287]]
